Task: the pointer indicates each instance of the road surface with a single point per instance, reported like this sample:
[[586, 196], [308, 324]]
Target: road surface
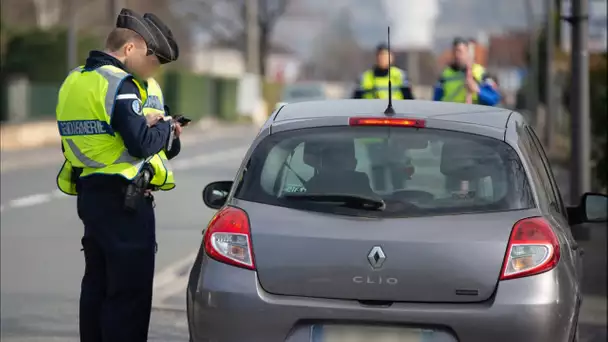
[[42, 265]]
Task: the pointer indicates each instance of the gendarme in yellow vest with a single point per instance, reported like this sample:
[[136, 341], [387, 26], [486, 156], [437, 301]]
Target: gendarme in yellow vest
[[377, 87], [155, 105], [84, 108], [454, 84]]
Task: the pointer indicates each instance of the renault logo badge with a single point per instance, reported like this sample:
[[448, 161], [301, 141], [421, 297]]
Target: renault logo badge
[[376, 257]]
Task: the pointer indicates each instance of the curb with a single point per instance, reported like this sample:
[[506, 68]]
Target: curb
[[14, 137], [28, 135]]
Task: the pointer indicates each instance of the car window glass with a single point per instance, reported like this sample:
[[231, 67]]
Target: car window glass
[[549, 170], [539, 168], [296, 172], [416, 172]]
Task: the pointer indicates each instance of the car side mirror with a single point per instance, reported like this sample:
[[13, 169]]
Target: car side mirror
[[215, 194], [594, 207]]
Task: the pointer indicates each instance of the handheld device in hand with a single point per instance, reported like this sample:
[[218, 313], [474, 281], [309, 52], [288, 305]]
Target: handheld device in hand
[[184, 121]]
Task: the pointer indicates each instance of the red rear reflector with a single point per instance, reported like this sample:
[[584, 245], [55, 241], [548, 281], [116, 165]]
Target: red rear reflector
[[402, 122], [533, 248], [228, 238]]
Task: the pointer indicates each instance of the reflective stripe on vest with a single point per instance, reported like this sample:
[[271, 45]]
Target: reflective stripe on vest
[[454, 84], [155, 105], [84, 109], [377, 87]]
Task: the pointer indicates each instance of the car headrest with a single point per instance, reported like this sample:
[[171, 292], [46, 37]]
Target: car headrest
[[465, 160], [312, 153], [317, 153]]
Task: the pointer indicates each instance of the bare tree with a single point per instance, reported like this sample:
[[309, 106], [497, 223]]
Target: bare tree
[[225, 22], [336, 53]]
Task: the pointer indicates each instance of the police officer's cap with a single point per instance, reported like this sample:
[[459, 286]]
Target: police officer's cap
[[167, 50], [460, 40], [381, 47], [128, 19]]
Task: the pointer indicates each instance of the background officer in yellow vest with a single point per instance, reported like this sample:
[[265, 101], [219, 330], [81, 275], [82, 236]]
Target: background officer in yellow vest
[[111, 153], [154, 107], [463, 78], [373, 83]]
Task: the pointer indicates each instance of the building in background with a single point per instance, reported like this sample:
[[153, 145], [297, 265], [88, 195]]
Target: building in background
[[282, 64], [507, 61]]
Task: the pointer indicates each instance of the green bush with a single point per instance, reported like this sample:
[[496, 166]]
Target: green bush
[[227, 98], [43, 100], [187, 94], [42, 55]]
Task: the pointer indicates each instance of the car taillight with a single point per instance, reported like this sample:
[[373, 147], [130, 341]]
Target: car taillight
[[228, 238], [533, 248], [403, 122]]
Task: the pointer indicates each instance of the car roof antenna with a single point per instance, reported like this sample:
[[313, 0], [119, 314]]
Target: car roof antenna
[[389, 109]]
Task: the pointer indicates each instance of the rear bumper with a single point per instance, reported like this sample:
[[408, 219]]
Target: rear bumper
[[227, 304]]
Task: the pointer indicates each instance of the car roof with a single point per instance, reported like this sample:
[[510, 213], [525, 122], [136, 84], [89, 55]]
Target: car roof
[[453, 112]]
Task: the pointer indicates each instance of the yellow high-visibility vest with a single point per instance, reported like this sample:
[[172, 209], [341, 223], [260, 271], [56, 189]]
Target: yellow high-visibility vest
[[375, 87], [155, 105], [84, 108], [454, 84]]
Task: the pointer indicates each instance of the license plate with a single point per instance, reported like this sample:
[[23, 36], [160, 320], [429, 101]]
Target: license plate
[[349, 333]]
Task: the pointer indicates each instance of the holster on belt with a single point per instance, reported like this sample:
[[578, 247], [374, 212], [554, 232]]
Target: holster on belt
[[135, 191]]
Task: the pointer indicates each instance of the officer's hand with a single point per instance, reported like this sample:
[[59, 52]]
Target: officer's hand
[[473, 86], [153, 119], [178, 130]]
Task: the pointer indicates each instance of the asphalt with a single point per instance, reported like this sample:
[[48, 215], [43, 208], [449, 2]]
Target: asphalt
[[42, 265]]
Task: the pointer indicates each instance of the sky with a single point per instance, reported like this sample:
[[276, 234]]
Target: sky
[[412, 22]]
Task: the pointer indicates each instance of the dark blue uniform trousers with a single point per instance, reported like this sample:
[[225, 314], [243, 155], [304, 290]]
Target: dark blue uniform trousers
[[119, 249]]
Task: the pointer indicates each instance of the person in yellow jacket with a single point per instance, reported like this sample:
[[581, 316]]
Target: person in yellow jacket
[[114, 156], [464, 81], [373, 83]]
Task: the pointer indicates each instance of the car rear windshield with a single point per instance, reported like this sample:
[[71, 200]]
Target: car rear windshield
[[414, 172]]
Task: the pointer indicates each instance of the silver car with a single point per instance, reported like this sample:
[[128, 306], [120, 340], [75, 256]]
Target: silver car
[[441, 223]]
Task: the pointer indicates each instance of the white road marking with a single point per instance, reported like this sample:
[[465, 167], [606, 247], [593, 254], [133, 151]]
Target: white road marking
[[31, 200], [232, 154], [59, 194]]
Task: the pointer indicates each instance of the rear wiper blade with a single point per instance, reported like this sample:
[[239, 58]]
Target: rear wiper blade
[[349, 200]]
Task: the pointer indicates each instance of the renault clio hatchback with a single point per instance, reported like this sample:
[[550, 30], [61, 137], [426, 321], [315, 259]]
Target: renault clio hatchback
[[440, 223]]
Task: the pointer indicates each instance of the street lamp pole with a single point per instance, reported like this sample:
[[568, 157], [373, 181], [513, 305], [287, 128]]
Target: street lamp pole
[[253, 37], [72, 52], [550, 111], [114, 7], [532, 93], [580, 157]]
